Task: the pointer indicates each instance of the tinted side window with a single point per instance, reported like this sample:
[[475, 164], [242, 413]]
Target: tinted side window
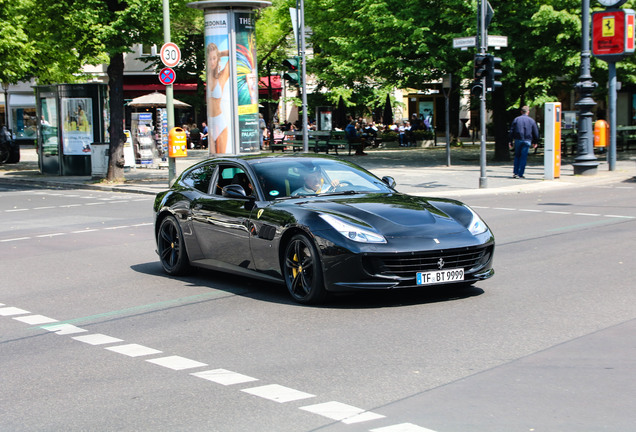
[[199, 178]]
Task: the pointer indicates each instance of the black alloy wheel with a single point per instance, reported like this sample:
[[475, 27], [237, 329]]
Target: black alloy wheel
[[5, 153], [303, 271], [171, 248]]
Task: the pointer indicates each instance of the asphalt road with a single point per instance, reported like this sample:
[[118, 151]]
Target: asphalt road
[[94, 336]]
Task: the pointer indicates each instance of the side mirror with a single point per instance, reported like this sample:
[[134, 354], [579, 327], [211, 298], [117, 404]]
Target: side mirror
[[390, 181], [233, 191]]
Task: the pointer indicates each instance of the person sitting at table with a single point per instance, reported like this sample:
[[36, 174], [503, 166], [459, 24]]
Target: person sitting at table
[[351, 133]]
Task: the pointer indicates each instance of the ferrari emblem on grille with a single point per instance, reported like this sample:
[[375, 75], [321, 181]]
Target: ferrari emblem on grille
[[440, 263]]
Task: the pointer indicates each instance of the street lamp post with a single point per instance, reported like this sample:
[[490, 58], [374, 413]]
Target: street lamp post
[[585, 162], [5, 87]]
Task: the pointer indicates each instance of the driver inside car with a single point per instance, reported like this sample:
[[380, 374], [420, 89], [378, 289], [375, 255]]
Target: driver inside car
[[315, 184]]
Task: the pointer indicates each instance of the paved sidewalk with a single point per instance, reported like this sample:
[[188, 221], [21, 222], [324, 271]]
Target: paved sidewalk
[[416, 171]]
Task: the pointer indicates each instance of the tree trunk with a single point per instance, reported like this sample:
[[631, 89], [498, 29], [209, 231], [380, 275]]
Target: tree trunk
[[117, 138]]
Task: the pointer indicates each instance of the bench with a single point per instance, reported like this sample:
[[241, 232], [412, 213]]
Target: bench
[[318, 141]]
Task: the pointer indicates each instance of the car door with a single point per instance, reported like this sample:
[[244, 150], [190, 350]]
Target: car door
[[221, 223]]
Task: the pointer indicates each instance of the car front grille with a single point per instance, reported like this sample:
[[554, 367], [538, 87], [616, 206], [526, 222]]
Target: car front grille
[[406, 266]]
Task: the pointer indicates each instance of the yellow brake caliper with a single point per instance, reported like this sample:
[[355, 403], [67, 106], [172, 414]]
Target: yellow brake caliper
[[295, 270]]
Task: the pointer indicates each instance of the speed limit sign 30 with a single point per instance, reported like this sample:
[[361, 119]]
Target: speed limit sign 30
[[170, 54]]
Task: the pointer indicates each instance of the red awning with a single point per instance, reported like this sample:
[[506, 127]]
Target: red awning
[[263, 82], [192, 87]]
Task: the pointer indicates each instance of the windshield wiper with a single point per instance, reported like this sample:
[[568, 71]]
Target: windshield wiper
[[345, 192]]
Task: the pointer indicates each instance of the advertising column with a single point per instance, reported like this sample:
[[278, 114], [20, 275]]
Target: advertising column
[[231, 83], [552, 141]]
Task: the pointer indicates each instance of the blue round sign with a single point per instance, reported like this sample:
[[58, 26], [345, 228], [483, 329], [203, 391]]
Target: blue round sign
[[167, 76]]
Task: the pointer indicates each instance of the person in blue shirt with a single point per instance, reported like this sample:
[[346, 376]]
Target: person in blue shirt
[[351, 133], [523, 134]]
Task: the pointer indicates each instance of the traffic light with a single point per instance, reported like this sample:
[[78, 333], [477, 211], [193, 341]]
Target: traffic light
[[493, 64], [481, 66], [293, 70], [476, 88]]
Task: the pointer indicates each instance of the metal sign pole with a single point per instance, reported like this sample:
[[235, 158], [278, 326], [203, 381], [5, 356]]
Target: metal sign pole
[[304, 77], [483, 46], [172, 171], [612, 116]]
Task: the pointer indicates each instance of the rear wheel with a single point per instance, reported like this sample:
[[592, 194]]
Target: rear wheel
[[303, 271], [5, 153], [171, 247]]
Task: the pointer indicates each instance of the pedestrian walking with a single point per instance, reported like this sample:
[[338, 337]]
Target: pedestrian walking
[[523, 134], [204, 135]]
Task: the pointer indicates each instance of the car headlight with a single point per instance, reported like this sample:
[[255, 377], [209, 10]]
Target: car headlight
[[353, 232], [476, 225]]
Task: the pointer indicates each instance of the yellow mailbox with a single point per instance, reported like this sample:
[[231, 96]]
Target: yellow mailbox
[[177, 143]]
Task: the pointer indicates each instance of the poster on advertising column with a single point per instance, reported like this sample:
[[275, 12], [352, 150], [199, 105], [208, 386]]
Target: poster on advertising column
[[218, 92], [77, 126], [247, 82]]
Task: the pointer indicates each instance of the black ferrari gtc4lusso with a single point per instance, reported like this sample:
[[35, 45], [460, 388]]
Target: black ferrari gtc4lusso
[[319, 224]]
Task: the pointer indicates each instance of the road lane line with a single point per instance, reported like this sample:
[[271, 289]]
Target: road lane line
[[15, 239], [278, 393], [133, 350], [176, 362], [403, 427], [10, 311], [342, 412], [35, 319], [224, 377], [97, 339], [619, 216], [63, 329]]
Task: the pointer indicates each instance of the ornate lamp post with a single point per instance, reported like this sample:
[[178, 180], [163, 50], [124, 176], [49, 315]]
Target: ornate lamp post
[[585, 162]]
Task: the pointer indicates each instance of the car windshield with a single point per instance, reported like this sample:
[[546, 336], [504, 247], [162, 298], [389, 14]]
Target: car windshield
[[289, 177]]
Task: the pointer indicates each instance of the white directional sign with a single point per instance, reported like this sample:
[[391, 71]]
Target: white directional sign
[[170, 54], [467, 42], [497, 41], [464, 42]]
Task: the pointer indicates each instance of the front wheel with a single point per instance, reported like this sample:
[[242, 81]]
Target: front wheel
[[171, 247], [303, 271]]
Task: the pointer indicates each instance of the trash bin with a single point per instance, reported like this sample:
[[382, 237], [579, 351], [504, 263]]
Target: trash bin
[[177, 143], [601, 133], [99, 159]]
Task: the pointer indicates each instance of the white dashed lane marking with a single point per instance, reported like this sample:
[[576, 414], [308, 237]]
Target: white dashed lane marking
[[64, 329], [133, 350], [97, 339], [554, 212], [338, 411], [404, 427], [84, 231], [342, 412], [35, 319], [10, 311], [224, 377], [176, 363], [278, 393], [101, 201]]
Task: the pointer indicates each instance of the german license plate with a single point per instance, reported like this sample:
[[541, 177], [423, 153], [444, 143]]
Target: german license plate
[[440, 276]]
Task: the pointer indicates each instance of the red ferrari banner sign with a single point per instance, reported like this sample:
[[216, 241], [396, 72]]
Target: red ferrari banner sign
[[613, 34]]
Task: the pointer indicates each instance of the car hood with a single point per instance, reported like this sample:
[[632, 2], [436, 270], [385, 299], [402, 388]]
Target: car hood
[[393, 215]]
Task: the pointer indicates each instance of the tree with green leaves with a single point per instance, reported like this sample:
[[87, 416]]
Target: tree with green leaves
[[16, 49], [68, 35]]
